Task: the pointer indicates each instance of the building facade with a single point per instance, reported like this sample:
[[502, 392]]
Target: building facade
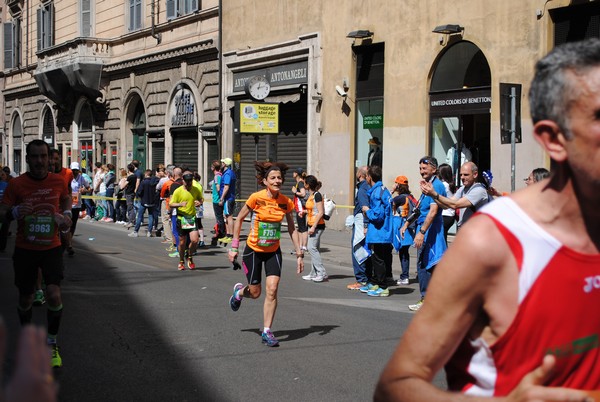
[[110, 81], [346, 72]]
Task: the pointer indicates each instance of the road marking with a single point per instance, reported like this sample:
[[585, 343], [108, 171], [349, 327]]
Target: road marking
[[387, 305]]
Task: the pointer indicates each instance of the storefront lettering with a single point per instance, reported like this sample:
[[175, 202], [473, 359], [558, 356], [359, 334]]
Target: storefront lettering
[[461, 101], [184, 111], [288, 75]]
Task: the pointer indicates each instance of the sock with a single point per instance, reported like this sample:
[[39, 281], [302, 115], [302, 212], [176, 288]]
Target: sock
[[266, 329], [238, 294], [51, 339], [25, 315], [54, 314]]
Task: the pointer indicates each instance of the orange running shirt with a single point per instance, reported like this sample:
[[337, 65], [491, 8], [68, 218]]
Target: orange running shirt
[[268, 214], [37, 231]]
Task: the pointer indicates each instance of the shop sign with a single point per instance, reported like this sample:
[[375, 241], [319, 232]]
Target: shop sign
[[473, 101], [183, 109], [287, 74], [259, 118], [372, 121]]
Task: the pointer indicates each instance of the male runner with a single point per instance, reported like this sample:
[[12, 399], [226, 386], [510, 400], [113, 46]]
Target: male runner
[[511, 311], [41, 204]]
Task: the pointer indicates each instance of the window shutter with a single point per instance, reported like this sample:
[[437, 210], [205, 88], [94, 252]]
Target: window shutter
[[131, 14], [17, 43], [138, 14], [86, 18], [40, 29], [50, 26], [8, 48], [171, 10], [195, 6]]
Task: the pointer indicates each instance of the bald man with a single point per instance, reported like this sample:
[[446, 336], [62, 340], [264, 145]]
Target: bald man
[[469, 198]]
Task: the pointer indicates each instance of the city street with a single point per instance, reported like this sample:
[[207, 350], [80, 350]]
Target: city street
[[135, 328]]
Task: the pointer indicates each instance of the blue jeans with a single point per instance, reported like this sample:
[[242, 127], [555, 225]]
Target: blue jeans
[[424, 274], [109, 203], [362, 272], [404, 261], [140, 217]]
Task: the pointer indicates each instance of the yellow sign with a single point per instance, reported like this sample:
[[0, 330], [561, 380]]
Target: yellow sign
[[257, 118]]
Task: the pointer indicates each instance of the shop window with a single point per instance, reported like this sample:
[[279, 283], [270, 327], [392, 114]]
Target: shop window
[[45, 26]]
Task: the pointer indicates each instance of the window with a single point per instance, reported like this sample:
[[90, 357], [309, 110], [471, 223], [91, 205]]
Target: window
[[86, 18], [178, 8], [12, 44], [135, 15], [45, 26]]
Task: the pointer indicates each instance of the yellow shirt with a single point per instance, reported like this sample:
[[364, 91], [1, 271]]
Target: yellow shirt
[[182, 194]]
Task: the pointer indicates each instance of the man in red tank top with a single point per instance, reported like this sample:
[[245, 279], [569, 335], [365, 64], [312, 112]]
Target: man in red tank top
[[511, 311]]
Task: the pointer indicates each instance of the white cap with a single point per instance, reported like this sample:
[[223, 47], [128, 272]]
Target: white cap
[[74, 166]]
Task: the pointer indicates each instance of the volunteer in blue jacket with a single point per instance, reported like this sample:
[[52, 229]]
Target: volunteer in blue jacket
[[379, 232], [429, 236]]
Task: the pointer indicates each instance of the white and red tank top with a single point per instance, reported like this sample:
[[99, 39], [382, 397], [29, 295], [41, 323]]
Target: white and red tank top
[[558, 313]]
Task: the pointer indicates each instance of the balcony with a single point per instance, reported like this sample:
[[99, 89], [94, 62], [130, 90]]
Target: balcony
[[72, 69]]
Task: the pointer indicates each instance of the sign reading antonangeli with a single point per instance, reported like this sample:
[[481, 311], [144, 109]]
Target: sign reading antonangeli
[[259, 118], [373, 121]]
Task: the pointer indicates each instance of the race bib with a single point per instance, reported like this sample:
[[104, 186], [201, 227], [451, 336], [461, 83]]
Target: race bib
[[188, 222], [200, 211], [75, 197], [39, 230], [268, 233]]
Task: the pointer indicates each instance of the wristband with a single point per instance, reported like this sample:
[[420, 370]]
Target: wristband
[[233, 250], [437, 196], [422, 231], [235, 243]]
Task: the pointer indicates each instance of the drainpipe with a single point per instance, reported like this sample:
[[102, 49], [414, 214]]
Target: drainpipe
[[155, 35]]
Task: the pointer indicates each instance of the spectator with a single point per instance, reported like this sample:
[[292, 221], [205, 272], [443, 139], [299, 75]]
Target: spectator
[[227, 197], [362, 270], [109, 183], [300, 197], [120, 203], [146, 194], [316, 226], [379, 233], [403, 204], [220, 228], [130, 195], [446, 175], [536, 175]]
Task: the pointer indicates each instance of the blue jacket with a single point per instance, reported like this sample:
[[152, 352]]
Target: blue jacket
[[379, 215], [362, 198]]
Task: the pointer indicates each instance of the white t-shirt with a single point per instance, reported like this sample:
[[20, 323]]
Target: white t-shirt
[[449, 194]]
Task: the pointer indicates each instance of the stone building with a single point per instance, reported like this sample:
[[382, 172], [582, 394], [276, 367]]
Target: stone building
[[423, 77], [112, 81]]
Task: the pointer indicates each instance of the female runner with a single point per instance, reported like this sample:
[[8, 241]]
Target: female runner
[[262, 246]]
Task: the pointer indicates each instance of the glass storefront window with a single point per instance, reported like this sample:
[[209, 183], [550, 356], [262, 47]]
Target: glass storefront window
[[369, 125]]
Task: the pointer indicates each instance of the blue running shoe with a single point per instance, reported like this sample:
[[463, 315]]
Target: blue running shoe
[[269, 339], [368, 287], [234, 303], [378, 292]]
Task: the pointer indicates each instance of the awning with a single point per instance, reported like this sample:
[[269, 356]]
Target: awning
[[286, 98]]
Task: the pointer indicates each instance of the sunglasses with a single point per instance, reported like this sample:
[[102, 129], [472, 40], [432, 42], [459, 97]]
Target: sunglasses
[[428, 162]]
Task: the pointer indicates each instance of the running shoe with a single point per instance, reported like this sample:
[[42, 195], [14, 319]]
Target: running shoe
[[402, 282], [171, 247], [367, 287], [416, 306], [181, 266], [56, 359], [226, 239], [234, 302], [319, 278], [356, 285], [133, 234], [174, 254], [308, 277], [269, 339], [379, 292], [191, 264], [39, 298], [167, 241]]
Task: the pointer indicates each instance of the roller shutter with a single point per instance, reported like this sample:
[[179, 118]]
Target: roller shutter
[[158, 153], [185, 148]]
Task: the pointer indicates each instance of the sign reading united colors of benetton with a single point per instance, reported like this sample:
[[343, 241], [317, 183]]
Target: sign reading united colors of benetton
[[286, 74], [473, 101], [259, 118]]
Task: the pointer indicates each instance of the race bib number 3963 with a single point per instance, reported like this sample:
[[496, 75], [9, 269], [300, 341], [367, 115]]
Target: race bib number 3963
[[39, 229]]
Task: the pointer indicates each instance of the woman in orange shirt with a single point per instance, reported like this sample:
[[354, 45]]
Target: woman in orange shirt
[[269, 208]]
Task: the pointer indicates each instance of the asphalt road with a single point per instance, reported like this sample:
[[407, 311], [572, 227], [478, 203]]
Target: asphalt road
[[136, 329]]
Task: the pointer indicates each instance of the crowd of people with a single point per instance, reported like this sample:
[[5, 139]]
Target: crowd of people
[[499, 311]]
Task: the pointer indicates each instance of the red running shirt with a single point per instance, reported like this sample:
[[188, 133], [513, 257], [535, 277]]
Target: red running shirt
[[559, 296], [37, 231]]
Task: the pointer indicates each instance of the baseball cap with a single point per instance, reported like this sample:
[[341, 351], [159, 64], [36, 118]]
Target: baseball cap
[[74, 166], [401, 180], [227, 161]]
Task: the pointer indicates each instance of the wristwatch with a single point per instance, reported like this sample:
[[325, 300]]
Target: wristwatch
[[422, 231]]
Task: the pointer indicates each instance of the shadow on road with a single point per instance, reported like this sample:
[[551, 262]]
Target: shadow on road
[[295, 334]]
